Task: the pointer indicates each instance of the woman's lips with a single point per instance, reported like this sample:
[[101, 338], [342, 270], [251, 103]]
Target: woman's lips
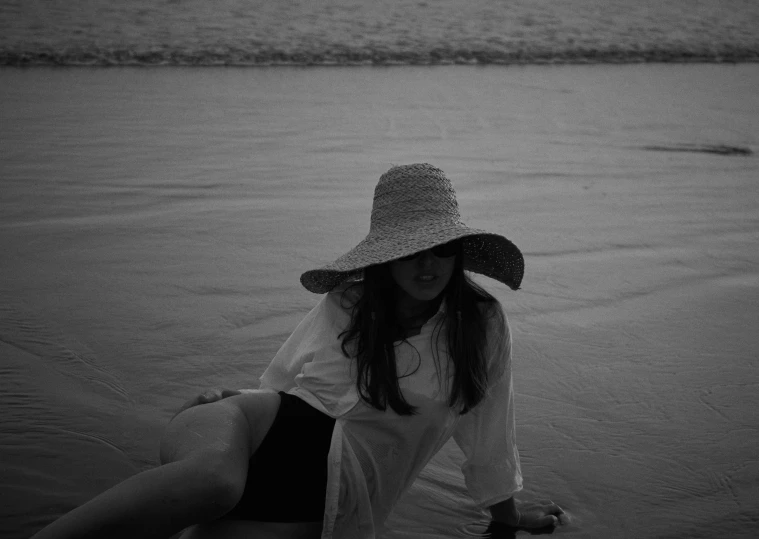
[[425, 278]]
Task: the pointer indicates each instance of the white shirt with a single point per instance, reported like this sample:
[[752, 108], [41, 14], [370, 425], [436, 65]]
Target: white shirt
[[375, 456]]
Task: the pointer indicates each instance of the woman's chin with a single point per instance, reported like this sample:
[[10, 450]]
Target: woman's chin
[[424, 293]]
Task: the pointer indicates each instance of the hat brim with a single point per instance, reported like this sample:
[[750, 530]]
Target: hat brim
[[485, 253]]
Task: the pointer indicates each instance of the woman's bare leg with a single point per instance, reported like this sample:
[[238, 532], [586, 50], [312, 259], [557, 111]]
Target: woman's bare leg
[[201, 428], [204, 457], [245, 529]]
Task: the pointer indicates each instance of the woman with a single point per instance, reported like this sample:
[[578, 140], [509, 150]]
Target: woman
[[403, 352]]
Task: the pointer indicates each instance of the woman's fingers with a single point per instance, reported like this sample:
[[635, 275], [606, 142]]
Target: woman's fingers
[[213, 395], [207, 397], [553, 508], [560, 516], [210, 395], [541, 514]]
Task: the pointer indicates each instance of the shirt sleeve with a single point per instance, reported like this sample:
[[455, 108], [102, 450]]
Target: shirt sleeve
[[486, 434], [317, 334], [293, 354]]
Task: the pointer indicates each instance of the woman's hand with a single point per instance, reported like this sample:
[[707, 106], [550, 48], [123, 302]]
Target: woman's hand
[[540, 515], [207, 397], [536, 516]]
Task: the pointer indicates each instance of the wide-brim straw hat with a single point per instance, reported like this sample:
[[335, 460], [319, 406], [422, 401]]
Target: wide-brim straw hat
[[415, 209]]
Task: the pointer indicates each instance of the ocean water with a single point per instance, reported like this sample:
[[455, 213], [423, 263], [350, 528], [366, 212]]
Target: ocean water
[[154, 223], [383, 32]]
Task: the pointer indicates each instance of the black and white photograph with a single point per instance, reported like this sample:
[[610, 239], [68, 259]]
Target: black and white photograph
[[389, 269]]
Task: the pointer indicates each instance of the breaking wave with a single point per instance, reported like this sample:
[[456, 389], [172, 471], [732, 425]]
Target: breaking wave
[[391, 32], [344, 56]]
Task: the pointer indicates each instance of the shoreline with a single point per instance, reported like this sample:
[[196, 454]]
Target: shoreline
[[399, 32], [171, 58]]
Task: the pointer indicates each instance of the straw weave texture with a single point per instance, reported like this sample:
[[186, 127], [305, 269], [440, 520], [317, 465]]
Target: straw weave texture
[[415, 209]]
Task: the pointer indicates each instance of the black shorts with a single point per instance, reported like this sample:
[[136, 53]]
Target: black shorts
[[287, 475]]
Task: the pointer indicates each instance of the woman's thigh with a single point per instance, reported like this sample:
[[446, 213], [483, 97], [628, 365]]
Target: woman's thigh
[[237, 422]]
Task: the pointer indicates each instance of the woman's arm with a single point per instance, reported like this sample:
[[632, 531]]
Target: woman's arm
[[486, 435]]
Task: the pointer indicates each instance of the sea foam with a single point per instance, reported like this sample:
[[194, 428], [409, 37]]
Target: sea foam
[[397, 32]]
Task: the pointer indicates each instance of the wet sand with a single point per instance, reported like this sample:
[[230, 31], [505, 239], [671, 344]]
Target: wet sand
[[154, 225]]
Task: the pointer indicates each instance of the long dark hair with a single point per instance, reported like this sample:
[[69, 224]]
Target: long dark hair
[[374, 328]]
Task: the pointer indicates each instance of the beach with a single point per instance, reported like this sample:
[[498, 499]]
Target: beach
[[169, 169], [154, 224]]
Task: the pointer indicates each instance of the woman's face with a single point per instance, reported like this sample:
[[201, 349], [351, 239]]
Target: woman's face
[[424, 277]]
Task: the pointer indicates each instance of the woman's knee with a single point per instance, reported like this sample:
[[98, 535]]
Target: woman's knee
[[213, 482]]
